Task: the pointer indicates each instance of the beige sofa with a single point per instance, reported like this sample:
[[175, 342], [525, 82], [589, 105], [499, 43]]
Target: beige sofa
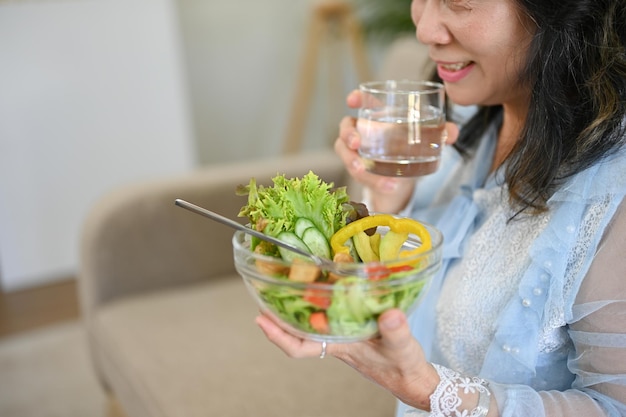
[[169, 322]]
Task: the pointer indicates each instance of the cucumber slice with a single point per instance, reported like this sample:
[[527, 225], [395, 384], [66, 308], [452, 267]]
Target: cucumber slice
[[292, 239], [316, 241], [301, 225]]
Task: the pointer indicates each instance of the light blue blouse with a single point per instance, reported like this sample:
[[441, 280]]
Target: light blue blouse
[[552, 270]]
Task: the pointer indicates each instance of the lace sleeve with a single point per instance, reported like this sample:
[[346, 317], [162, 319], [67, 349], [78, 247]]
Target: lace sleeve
[[598, 331]]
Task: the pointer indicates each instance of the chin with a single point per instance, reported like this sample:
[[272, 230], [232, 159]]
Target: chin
[[463, 100], [459, 95], [469, 96]]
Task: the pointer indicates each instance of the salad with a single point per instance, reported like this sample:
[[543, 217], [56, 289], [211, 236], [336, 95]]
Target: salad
[[381, 255]]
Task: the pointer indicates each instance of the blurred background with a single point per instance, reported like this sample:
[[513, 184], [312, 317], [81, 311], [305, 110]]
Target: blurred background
[[97, 93]]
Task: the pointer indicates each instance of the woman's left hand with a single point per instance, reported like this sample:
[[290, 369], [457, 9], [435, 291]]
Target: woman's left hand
[[394, 360]]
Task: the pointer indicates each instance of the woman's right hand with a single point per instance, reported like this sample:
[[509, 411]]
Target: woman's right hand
[[386, 194]]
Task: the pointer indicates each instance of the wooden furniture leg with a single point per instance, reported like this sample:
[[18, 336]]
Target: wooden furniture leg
[[324, 15]]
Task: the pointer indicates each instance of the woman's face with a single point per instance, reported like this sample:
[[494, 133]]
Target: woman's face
[[479, 47]]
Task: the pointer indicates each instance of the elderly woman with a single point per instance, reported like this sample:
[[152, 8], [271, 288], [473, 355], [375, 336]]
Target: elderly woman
[[528, 315]]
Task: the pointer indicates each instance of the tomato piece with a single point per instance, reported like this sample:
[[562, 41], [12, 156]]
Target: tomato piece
[[400, 268], [319, 298], [377, 272], [319, 322]]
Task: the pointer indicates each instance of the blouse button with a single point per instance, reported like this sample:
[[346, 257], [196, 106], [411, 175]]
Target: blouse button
[[570, 229], [506, 348], [544, 277], [515, 350], [538, 291], [547, 264], [526, 302]]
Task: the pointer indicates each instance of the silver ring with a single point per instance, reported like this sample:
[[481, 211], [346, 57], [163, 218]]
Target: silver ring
[[323, 354]]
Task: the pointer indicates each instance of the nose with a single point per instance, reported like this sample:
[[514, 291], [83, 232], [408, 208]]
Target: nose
[[429, 23]]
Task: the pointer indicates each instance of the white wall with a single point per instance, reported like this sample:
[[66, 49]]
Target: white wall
[[243, 59], [95, 93], [92, 95]]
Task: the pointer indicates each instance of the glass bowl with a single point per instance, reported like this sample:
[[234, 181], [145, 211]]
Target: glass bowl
[[345, 306]]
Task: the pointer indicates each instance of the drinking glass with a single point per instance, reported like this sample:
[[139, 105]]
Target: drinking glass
[[402, 125]]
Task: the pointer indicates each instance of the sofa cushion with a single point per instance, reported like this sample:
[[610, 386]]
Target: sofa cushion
[[196, 351]]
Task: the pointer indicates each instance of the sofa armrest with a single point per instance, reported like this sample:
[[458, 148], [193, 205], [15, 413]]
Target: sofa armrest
[[135, 239]]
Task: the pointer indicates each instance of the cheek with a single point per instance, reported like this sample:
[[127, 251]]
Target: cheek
[[416, 10]]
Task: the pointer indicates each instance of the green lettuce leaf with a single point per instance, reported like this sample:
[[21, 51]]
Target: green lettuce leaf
[[277, 208]]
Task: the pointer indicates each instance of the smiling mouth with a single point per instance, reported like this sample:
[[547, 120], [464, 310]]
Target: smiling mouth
[[456, 66]]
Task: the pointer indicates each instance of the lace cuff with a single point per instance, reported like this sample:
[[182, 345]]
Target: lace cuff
[[445, 401]]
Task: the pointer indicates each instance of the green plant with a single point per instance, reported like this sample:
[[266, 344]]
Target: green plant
[[385, 20]]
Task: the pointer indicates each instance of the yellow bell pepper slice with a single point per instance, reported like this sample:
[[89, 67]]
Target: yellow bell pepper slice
[[397, 225], [363, 246]]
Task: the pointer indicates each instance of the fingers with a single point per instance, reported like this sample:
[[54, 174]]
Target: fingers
[[355, 167], [452, 133], [293, 347], [387, 194], [394, 329], [348, 133], [354, 99], [346, 146]]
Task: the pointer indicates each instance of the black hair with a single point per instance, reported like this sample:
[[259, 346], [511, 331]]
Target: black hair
[[576, 72]]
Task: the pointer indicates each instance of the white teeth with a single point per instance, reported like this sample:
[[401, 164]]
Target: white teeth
[[455, 67]]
